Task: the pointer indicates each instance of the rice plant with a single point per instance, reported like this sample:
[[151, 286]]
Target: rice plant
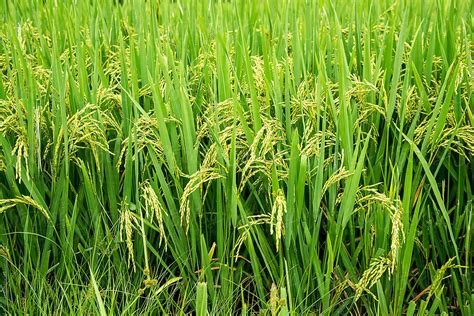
[[268, 157]]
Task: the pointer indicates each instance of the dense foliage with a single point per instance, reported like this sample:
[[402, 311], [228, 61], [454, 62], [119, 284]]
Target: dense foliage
[[236, 156]]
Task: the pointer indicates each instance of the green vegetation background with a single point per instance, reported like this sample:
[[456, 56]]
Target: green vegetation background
[[242, 157]]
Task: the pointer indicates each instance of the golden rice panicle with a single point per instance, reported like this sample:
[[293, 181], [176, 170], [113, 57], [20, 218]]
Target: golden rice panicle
[[5, 252], [376, 269], [436, 285], [6, 204], [127, 221], [3, 167], [398, 235], [339, 175], [10, 123], [195, 183], [146, 128], [252, 221], [21, 152], [274, 300], [368, 197], [154, 209], [278, 209]]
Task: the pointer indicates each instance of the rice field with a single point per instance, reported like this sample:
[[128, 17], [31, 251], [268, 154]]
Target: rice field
[[236, 157]]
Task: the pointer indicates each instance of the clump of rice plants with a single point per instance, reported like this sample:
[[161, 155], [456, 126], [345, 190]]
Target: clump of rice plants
[[236, 157]]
